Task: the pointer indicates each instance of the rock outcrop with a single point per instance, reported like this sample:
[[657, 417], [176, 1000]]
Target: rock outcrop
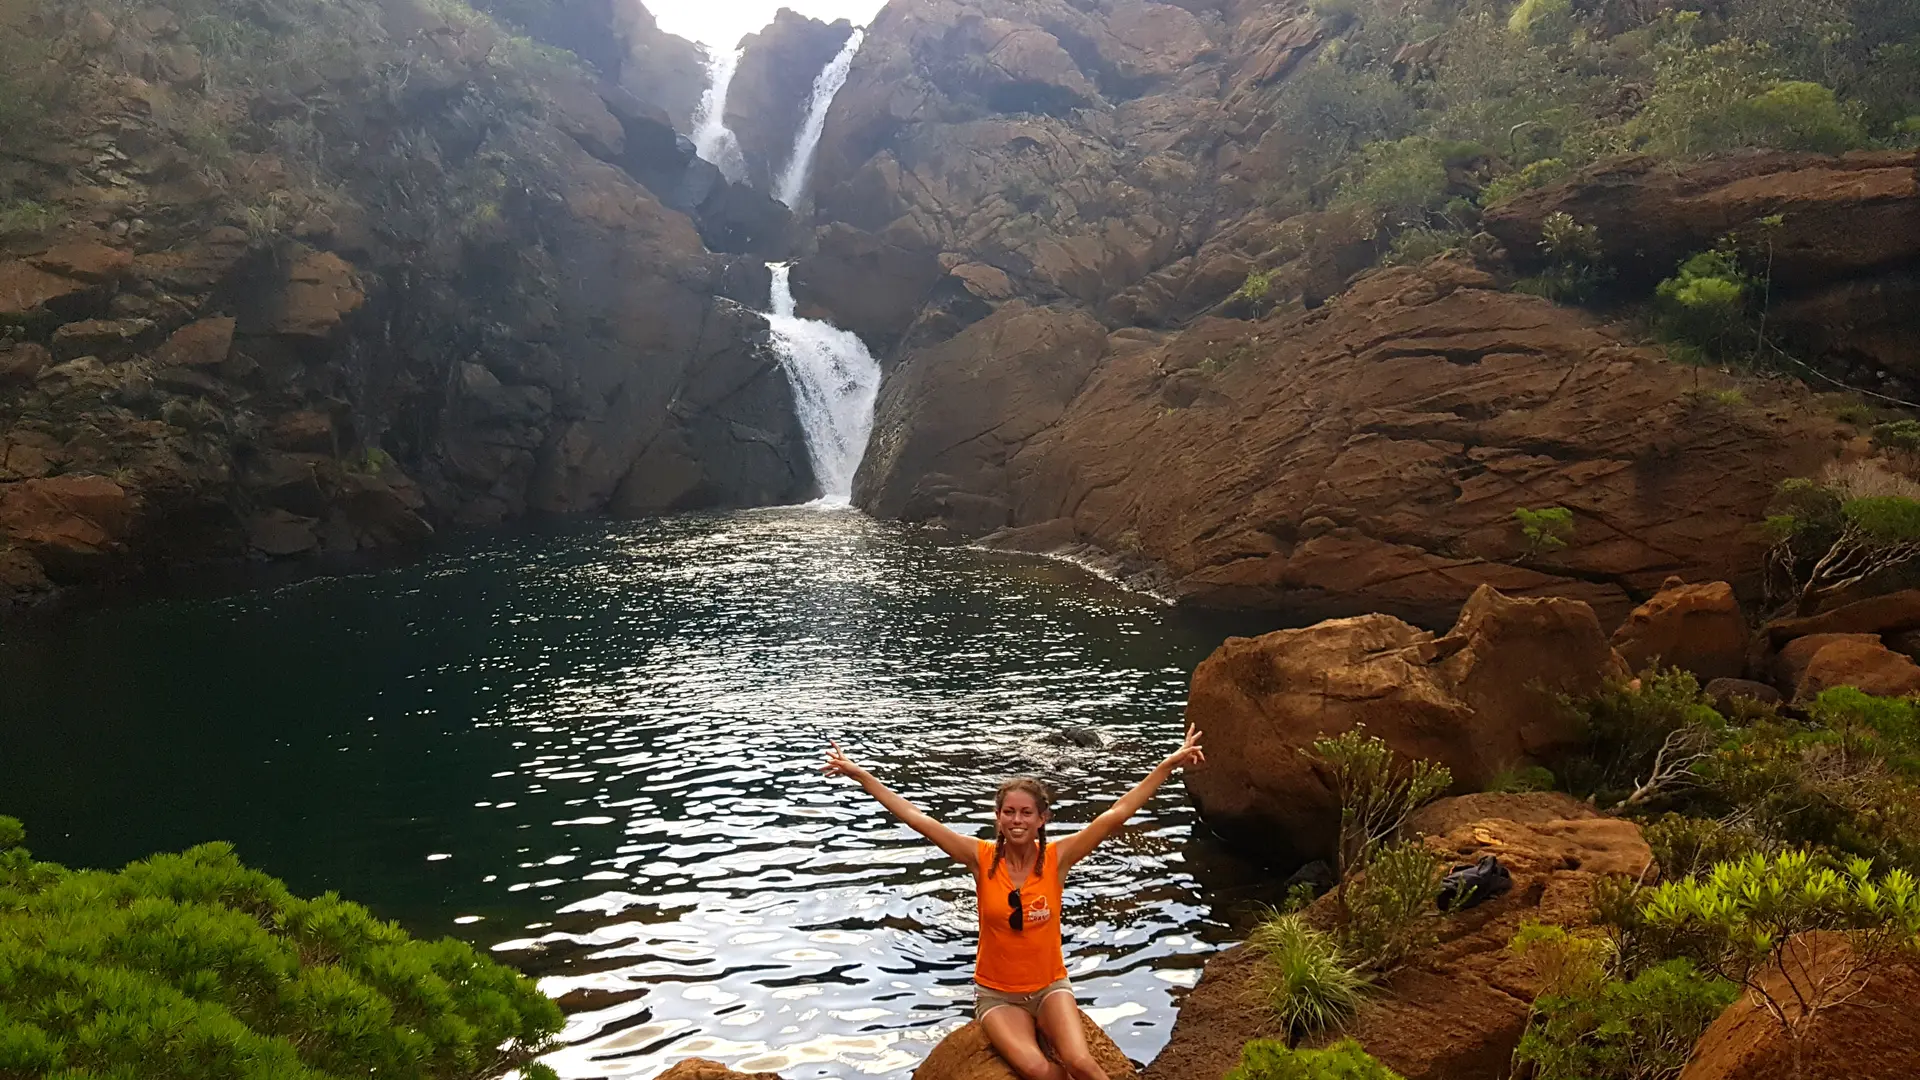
[[1478, 700], [1873, 1036], [1456, 1011], [967, 1054], [385, 308], [1365, 456], [1841, 236], [1698, 628], [773, 84]]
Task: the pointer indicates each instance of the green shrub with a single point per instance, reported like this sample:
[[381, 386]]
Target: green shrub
[[1636, 730], [1703, 308], [1534, 175], [1377, 795], [1420, 243], [1397, 183], [1523, 779], [23, 218], [1856, 521], [1267, 1059], [1795, 116], [1546, 529], [1901, 434], [1831, 790], [192, 965], [1754, 923], [1391, 907], [1684, 846], [1567, 964], [1643, 1029], [1309, 984]]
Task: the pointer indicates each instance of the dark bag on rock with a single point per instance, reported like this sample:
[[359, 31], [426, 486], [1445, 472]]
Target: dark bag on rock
[[1466, 886]]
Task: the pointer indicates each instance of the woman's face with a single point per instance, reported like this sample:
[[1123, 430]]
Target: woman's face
[[1020, 817]]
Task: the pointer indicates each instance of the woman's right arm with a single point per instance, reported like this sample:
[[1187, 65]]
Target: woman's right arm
[[960, 847]]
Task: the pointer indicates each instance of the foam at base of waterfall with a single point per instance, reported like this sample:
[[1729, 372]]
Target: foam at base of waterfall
[[793, 182], [834, 380], [712, 139]]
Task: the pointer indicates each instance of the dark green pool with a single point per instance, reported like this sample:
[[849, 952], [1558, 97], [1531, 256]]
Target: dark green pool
[[593, 747]]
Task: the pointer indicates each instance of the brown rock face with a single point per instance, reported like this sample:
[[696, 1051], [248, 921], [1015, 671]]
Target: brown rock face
[[702, 1069], [772, 85], [1457, 1011], [967, 1054], [198, 344], [1860, 662], [68, 523], [1841, 254], [1366, 456], [1893, 613], [1478, 700], [1872, 1037], [1695, 627], [1789, 665]]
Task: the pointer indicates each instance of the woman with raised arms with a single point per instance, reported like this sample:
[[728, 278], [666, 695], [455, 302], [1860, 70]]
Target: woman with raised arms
[[1020, 976]]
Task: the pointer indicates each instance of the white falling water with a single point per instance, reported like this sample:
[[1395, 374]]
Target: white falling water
[[793, 182], [834, 383], [712, 139]]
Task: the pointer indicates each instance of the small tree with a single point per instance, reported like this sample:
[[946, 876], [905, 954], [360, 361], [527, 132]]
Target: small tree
[[1546, 529], [1800, 938], [1856, 521], [1377, 795]]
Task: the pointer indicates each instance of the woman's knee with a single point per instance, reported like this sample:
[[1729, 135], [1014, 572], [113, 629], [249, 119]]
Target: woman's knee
[[1031, 1064], [1083, 1067]]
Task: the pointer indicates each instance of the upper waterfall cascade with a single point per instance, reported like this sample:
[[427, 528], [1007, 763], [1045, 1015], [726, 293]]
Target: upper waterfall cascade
[[793, 181], [712, 139], [835, 381]]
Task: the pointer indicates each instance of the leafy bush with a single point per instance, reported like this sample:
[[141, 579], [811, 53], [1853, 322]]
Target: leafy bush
[[1684, 846], [1856, 521], [1760, 919], [1575, 269], [1377, 795], [1537, 174], [1567, 964], [1267, 1059], [1309, 984], [1902, 434], [1546, 529], [1642, 1029], [1827, 789], [1390, 908], [192, 965], [1638, 732], [1420, 243], [1703, 308], [1398, 183]]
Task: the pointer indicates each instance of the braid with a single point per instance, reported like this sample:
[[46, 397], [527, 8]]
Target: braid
[[999, 848], [1042, 834]]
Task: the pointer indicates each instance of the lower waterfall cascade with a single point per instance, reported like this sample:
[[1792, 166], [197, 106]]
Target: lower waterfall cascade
[[835, 381]]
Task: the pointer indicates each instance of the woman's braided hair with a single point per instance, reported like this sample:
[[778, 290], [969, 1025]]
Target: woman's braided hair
[[1042, 798]]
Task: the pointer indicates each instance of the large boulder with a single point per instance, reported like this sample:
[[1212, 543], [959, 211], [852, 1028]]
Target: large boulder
[[1695, 627], [967, 1054], [703, 1069], [1478, 700], [1454, 1012], [1789, 666], [1862, 662], [1875, 1035], [71, 524]]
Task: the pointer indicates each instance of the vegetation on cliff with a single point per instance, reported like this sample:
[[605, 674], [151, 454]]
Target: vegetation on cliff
[[194, 966]]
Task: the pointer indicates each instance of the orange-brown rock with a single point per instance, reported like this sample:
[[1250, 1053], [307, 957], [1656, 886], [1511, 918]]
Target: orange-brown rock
[[1893, 613], [967, 1054], [1454, 1012], [1874, 1036], [1478, 700], [1862, 662], [321, 289], [198, 344], [1789, 665], [67, 522], [1365, 456], [95, 263], [1695, 627], [26, 290], [702, 1069]]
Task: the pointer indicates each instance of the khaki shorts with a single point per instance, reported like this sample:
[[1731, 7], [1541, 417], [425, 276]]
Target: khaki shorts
[[986, 998]]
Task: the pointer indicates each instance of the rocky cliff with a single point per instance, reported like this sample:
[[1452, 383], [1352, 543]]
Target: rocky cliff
[[772, 86], [277, 283]]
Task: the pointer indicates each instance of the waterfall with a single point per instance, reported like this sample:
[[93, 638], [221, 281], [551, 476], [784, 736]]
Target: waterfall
[[834, 383], [712, 139], [793, 182]]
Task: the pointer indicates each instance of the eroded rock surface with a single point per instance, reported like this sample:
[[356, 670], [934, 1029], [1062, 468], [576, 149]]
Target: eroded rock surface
[[1454, 1012], [1478, 700], [1365, 456], [1698, 628], [967, 1054]]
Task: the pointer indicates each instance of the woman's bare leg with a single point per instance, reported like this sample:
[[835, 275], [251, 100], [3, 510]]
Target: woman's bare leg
[[1060, 1019], [1011, 1031]]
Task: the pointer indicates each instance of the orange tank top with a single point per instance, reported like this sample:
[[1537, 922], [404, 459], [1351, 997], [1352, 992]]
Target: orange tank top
[[1019, 961]]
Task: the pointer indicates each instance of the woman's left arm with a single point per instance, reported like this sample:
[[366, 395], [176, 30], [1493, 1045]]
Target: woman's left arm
[[1076, 847]]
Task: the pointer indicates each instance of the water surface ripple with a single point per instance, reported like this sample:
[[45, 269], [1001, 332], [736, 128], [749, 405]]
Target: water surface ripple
[[593, 748]]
